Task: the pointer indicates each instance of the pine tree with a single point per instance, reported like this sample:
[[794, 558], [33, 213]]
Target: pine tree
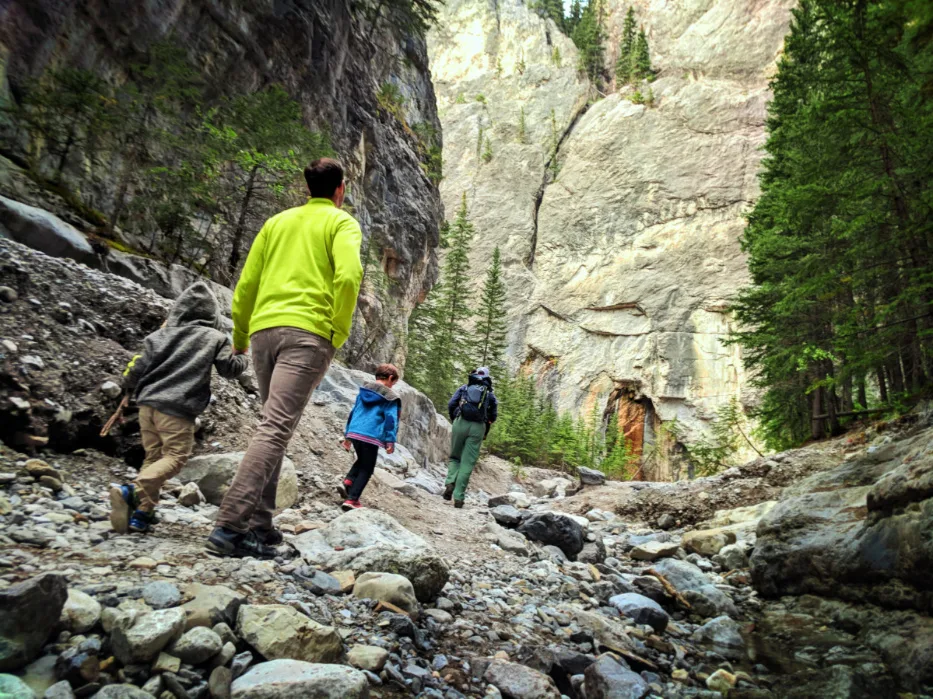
[[522, 129], [576, 12], [487, 151], [440, 344], [589, 37], [491, 318], [839, 244], [626, 49], [641, 59]]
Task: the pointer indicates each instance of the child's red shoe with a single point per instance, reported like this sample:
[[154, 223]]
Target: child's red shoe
[[351, 505]]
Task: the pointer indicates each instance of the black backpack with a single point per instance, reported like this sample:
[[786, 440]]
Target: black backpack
[[473, 403]]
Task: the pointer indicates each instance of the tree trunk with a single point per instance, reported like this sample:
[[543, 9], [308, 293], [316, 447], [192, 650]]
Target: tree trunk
[[882, 384], [237, 240], [862, 393], [66, 149], [816, 408]]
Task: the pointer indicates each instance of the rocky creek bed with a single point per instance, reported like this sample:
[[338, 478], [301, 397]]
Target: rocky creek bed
[[804, 574]]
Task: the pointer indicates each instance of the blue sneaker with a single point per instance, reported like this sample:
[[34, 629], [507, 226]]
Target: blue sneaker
[[123, 500], [140, 521]]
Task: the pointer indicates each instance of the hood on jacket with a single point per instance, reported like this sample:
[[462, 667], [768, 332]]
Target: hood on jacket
[[382, 392], [475, 380], [196, 305]]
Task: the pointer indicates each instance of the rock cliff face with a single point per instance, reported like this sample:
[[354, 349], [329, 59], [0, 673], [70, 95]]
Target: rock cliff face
[[622, 250], [324, 55]]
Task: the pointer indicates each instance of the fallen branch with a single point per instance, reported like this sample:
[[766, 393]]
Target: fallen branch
[[118, 415], [668, 588]]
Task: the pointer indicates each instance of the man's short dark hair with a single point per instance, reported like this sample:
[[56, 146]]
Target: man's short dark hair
[[323, 176]]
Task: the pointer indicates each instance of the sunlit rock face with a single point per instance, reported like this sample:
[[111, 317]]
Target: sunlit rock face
[[623, 253]]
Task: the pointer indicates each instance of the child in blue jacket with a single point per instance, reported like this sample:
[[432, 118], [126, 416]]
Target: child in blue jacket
[[373, 423]]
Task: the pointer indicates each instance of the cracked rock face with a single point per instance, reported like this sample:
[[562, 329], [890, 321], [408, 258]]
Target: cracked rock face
[[622, 258]]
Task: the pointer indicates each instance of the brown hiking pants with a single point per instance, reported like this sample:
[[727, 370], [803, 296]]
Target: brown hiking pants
[[168, 441], [289, 364]]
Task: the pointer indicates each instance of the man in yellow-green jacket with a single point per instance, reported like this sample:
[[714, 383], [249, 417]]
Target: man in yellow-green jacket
[[293, 305]]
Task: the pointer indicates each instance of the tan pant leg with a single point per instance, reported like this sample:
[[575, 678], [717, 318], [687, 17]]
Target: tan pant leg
[[177, 438], [152, 442], [298, 362]]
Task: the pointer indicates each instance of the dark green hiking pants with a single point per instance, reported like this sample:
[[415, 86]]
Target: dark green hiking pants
[[465, 440]]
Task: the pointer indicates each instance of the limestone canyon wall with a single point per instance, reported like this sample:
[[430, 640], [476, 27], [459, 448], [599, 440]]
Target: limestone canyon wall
[[324, 54], [621, 251]]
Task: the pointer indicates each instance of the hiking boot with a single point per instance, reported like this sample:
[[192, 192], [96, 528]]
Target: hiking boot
[[123, 500], [449, 491], [458, 504], [225, 542], [351, 505], [343, 489], [269, 537], [140, 522]]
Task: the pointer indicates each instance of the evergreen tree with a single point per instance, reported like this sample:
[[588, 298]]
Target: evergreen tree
[[441, 346], [552, 9], [641, 59], [491, 318], [626, 49], [522, 129], [576, 12], [589, 38], [839, 245]]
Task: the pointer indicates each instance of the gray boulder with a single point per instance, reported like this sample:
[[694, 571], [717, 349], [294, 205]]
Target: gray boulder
[[44, 231], [12, 687], [122, 691], [516, 681], [722, 635], [590, 476], [141, 641], [208, 605], [610, 678], [386, 587], [506, 539], [197, 645], [732, 557], [553, 529], [641, 610], [214, 472], [288, 679], [706, 599], [29, 614], [80, 613], [161, 594], [278, 632], [507, 515], [370, 540]]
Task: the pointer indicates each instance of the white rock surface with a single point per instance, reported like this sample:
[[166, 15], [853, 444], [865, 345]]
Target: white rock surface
[[81, 612], [288, 679]]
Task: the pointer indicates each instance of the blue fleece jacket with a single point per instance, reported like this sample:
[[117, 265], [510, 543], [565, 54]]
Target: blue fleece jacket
[[374, 418]]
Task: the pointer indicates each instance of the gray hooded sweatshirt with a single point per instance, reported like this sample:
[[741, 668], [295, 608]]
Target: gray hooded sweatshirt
[[173, 373]]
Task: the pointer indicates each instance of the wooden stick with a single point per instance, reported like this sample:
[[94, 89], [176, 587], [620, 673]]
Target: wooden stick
[[116, 416], [668, 588]]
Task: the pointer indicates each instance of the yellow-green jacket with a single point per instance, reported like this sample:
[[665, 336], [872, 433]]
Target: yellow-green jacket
[[303, 271]]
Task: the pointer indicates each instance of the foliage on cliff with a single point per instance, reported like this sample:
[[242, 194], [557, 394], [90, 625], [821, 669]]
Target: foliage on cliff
[[840, 313]]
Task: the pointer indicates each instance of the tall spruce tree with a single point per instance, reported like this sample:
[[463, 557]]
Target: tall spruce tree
[[589, 36], [573, 19], [840, 312], [491, 323], [626, 49], [441, 346], [641, 57]]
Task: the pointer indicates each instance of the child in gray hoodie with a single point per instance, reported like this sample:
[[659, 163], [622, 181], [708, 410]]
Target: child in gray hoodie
[[171, 381]]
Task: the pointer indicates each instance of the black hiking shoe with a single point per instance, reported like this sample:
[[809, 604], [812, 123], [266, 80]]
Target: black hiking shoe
[[224, 542], [269, 537], [458, 504], [449, 491]]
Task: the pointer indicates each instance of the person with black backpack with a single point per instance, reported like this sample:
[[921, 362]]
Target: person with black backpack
[[472, 411]]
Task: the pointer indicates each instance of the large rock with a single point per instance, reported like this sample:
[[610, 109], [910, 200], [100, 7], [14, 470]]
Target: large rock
[[141, 640], [707, 542], [29, 613], [372, 658], [506, 515], [552, 487], [506, 539], [641, 610], [44, 231], [197, 645], [289, 679], [387, 587], [213, 474], [859, 531], [610, 678], [208, 605], [706, 599], [12, 687], [278, 631], [590, 476], [582, 315], [653, 550], [122, 691], [81, 612], [513, 499], [553, 529], [723, 636], [370, 540], [516, 681]]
